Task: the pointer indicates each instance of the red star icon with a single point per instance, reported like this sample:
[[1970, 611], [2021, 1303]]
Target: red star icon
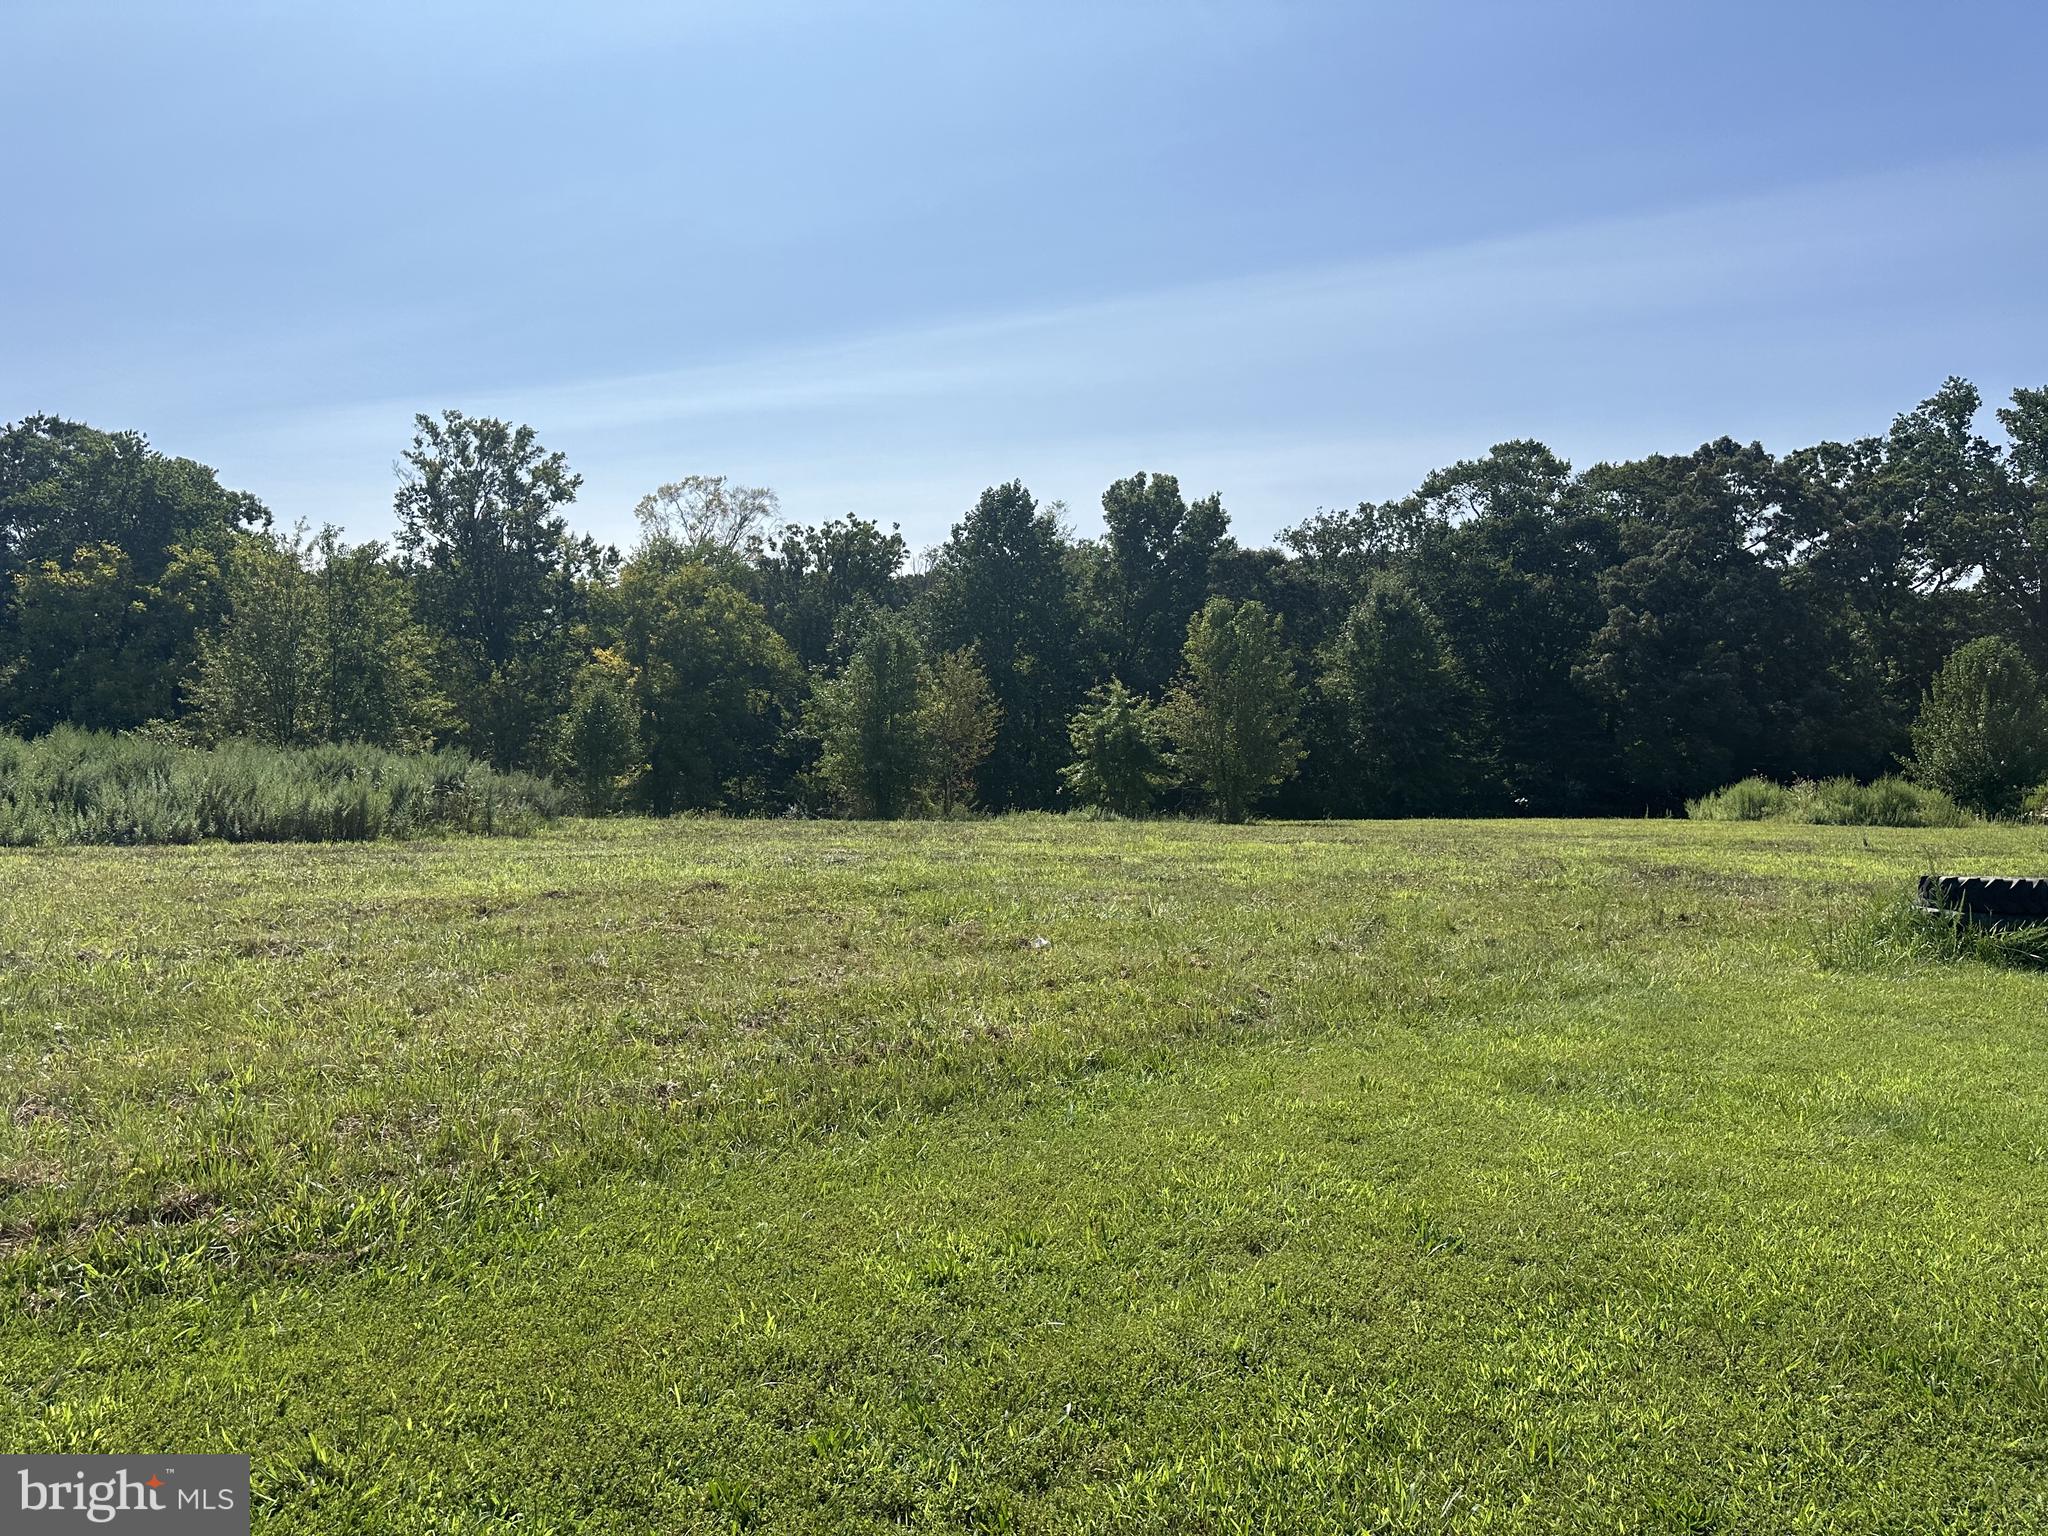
[[154, 1481]]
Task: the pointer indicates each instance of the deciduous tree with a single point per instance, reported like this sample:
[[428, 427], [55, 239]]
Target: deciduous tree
[[480, 521], [1232, 715], [714, 680], [112, 564], [706, 520], [874, 757], [600, 745], [1158, 550], [1001, 586], [1508, 561], [1119, 751], [959, 721], [821, 585], [259, 670], [1982, 735], [1406, 717]]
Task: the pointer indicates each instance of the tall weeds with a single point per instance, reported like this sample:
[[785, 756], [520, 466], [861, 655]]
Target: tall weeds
[[1897, 933], [75, 786], [1887, 802]]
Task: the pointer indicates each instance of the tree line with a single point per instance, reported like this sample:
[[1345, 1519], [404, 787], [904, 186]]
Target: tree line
[[1512, 636]]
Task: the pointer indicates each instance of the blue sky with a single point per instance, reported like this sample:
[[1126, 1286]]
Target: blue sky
[[881, 256]]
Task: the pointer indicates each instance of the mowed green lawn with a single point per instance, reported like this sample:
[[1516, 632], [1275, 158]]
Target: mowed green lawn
[[1030, 1175]]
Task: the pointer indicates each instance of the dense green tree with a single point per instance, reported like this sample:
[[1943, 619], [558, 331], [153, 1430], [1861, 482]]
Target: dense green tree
[[1315, 581], [1001, 585], [1982, 735], [1890, 537], [1508, 561], [374, 678], [1407, 736], [715, 683], [496, 572], [821, 585], [874, 757], [318, 644], [259, 670], [958, 722], [1708, 668], [1286, 588], [1119, 752], [1512, 631], [1157, 552], [94, 647], [2012, 548], [65, 486], [1345, 549], [112, 564], [1232, 715], [600, 741]]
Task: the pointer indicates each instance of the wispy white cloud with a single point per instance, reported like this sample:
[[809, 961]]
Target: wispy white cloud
[[1293, 388]]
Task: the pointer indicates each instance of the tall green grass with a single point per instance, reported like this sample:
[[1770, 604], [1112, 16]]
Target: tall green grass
[[75, 786], [1897, 933], [1887, 802]]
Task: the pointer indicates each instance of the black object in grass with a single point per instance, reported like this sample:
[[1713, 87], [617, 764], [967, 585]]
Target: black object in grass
[[1994, 901]]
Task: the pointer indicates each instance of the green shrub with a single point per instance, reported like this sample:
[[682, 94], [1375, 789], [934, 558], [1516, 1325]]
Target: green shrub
[[1749, 800], [1119, 757], [1887, 802], [1982, 735], [75, 786]]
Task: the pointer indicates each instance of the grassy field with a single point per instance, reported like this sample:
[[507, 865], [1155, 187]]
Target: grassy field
[[1031, 1175]]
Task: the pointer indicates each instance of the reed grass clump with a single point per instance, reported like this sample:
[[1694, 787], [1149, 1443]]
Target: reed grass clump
[[1890, 801], [75, 786]]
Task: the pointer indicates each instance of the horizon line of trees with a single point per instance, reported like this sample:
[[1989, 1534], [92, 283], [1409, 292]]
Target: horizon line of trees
[[1512, 636]]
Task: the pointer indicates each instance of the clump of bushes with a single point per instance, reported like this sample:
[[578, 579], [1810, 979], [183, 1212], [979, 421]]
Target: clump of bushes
[[1748, 800], [75, 786], [1887, 802]]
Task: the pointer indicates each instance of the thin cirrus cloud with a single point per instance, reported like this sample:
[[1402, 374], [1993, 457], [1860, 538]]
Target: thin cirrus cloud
[[1810, 312]]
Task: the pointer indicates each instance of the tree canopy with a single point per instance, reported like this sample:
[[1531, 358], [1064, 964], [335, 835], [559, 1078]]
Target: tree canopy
[[1513, 635]]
